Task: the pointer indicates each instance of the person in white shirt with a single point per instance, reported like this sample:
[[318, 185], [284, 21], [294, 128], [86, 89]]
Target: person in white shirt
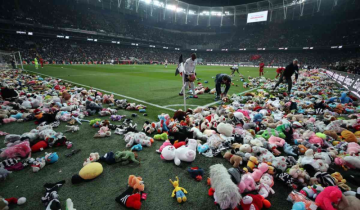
[[166, 63], [233, 69], [189, 74]]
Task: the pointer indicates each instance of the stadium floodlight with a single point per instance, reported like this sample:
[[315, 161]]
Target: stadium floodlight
[[311, 48], [21, 32], [118, 42], [171, 7], [204, 13], [285, 48], [67, 37], [158, 3], [244, 48], [214, 13], [147, 1], [30, 33], [264, 48], [95, 40], [191, 12], [340, 47]]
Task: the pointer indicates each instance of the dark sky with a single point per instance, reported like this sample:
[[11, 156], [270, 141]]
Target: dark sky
[[214, 3]]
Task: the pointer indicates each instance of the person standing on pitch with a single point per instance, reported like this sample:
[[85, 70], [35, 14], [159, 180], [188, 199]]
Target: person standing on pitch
[[36, 63], [222, 79], [261, 69], [287, 73], [189, 74]]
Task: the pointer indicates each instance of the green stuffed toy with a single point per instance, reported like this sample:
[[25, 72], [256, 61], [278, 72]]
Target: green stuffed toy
[[266, 134], [162, 136], [92, 122], [126, 155]]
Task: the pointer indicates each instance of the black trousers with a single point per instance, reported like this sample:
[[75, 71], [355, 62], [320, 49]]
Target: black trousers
[[288, 80]]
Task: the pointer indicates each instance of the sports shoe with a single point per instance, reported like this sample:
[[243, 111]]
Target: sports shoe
[[195, 96], [181, 94], [217, 98]]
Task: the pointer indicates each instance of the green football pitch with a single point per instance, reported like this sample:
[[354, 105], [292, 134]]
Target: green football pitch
[[152, 84]]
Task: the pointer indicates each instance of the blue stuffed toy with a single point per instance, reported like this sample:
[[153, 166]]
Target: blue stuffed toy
[[136, 147], [202, 148], [258, 118], [298, 206], [17, 116], [51, 157], [164, 127], [288, 149]]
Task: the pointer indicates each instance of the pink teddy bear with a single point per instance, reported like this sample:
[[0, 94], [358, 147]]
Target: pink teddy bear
[[279, 142], [353, 148], [166, 143], [247, 183], [316, 140], [258, 172]]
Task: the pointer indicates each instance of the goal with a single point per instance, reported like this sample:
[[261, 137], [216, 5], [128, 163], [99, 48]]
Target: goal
[[10, 60]]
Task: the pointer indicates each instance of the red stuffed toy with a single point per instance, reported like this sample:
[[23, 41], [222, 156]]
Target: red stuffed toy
[[254, 202], [329, 196]]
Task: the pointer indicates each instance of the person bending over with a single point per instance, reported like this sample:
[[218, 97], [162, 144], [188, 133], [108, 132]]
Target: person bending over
[[233, 69], [279, 71], [190, 74], [287, 73], [222, 79]]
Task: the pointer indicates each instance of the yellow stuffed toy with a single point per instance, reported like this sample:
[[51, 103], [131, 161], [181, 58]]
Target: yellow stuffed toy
[[348, 136], [179, 191], [88, 172]]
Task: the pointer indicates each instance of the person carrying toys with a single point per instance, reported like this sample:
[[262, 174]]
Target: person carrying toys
[[190, 75]]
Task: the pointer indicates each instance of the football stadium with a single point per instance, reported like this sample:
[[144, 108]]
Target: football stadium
[[210, 104]]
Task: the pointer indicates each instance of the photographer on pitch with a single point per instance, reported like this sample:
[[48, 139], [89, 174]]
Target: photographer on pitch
[[287, 73]]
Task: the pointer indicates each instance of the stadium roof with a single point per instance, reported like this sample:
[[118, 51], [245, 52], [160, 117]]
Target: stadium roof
[[219, 3]]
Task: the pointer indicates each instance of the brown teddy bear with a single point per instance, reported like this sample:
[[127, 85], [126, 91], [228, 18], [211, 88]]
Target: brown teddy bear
[[235, 160], [332, 134]]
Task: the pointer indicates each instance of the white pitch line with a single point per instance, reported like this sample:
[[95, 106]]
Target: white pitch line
[[128, 97], [215, 102], [181, 105]]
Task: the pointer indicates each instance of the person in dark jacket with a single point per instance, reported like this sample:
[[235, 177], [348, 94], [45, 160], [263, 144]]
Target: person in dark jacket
[[287, 73], [221, 79]]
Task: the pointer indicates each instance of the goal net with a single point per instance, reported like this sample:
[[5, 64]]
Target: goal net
[[10, 60]]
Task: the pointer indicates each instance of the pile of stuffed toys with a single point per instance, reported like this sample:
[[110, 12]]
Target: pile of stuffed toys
[[303, 141]]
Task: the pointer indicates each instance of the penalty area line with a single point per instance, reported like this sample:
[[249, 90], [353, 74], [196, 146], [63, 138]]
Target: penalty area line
[[127, 97]]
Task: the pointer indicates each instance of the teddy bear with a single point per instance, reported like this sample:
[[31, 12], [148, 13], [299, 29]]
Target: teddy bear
[[247, 183], [103, 132], [184, 153], [353, 148], [280, 163], [331, 133], [225, 129], [265, 186], [136, 183], [297, 173], [235, 160], [328, 197], [252, 163], [259, 171], [276, 141], [132, 138]]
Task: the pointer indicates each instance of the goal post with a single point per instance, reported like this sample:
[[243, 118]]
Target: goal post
[[10, 60]]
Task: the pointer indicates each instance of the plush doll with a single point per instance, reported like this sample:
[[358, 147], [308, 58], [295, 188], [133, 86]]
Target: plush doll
[[331, 133], [226, 192], [120, 156], [280, 163], [39, 146], [298, 206], [51, 197], [93, 157], [349, 136], [297, 173], [314, 139], [251, 164], [272, 132], [234, 160], [129, 199], [265, 186], [196, 173], [88, 172], [329, 196], [132, 138], [166, 143], [225, 129], [5, 202], [259, 171], [72, 128], [348, 202], [162, 137], [186, 154], [136, 183], [353, 148], [19, 150], [136, 147], [178, 191], [288, 149], [38, 164], [247, 183], [352, 161], [297, 197], [203, 148], [254, 202]]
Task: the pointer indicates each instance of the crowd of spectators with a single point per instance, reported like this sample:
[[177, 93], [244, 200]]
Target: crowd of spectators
[[60, 50], [330, 30]]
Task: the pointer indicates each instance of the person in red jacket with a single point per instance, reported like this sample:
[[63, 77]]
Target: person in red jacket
[[41, 62], [279, 71], [261, 70]]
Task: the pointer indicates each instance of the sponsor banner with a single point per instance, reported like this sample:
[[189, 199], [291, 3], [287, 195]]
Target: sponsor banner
[[349, 81], [257, 17]]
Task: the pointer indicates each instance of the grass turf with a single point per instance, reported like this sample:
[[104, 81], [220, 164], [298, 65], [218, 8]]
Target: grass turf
[[154, 84]]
